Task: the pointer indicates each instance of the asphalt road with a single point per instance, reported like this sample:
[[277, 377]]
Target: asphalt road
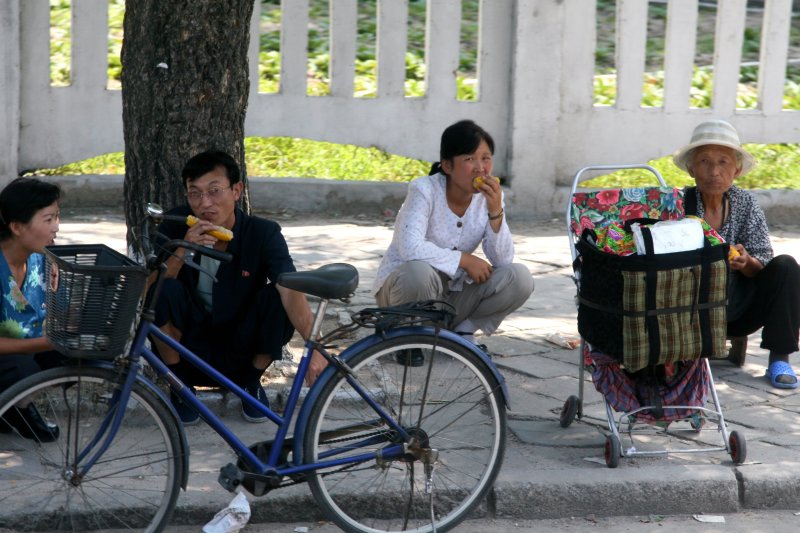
[[745, 522]]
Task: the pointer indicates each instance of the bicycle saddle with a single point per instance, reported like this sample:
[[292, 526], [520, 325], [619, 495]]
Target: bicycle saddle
[[334, 281]]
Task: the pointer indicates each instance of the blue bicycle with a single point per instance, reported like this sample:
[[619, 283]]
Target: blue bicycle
[[385, 443]]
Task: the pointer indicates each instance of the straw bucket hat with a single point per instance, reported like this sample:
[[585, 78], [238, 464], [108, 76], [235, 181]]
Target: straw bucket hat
[[717, 132]]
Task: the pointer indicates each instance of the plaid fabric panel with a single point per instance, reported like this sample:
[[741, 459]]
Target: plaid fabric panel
[[689, 388], [718, 317], [680, 333]]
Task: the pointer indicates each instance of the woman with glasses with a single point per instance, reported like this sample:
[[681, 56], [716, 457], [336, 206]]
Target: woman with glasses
[[240, 323]]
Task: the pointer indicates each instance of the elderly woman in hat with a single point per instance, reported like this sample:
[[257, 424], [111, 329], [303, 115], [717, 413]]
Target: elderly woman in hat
[[764, 290]]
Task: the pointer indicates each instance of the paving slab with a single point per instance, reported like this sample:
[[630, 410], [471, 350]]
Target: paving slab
[[540, 433], [537, 366]]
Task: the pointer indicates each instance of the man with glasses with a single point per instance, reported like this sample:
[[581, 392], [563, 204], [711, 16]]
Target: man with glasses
[[240, 323]]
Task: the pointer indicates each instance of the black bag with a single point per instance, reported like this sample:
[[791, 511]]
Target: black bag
[[741, 289], [647, 310]]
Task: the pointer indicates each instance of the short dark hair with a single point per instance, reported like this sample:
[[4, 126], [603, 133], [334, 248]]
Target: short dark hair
[[22, 198], [461, 138], [205, 162]]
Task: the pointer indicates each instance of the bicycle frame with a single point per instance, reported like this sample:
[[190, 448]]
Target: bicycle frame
[[139, 351]]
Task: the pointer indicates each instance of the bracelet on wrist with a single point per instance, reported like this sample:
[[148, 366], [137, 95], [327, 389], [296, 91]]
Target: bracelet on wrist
[[498, 215]]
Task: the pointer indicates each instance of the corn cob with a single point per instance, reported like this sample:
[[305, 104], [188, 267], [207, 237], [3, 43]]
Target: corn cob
[[477, 181], [223, 234]]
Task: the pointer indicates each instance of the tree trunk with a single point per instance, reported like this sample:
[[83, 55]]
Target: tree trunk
[[185, 85]]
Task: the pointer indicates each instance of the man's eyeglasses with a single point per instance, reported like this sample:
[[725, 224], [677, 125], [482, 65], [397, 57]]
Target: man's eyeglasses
[[214, 194]]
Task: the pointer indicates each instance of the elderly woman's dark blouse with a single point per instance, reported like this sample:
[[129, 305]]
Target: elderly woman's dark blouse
[[746, 224]]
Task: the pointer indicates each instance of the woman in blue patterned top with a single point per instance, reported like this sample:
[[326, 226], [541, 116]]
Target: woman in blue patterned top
[[766, 290], [29, 217]]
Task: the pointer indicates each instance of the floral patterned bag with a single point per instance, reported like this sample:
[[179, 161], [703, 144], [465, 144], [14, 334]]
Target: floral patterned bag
[[600, 208]]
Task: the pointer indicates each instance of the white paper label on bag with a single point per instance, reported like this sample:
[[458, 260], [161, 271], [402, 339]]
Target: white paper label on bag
[[670, 236]]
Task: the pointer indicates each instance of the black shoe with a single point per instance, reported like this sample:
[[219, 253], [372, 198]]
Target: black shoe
[[251, 414], [29, 424], [186, 413], [412, 357]]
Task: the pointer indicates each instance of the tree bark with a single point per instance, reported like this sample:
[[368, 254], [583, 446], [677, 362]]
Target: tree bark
[[185, 86]]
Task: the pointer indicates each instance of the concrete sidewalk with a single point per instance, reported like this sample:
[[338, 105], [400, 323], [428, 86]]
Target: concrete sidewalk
[[548, 471]]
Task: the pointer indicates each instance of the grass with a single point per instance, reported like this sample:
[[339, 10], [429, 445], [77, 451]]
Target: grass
[[289, 157], [297, 158], [285, 157]]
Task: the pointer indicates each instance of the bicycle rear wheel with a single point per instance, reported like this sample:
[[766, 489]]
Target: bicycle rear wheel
[[133, 485], [463, 417]]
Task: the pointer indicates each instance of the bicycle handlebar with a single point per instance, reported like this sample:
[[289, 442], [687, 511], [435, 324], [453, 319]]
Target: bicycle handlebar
[[172, 244]]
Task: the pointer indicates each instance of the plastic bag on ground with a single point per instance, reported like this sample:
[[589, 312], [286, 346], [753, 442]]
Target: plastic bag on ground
[[232, 518]]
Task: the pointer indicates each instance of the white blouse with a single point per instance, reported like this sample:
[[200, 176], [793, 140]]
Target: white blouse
[[427, 230]]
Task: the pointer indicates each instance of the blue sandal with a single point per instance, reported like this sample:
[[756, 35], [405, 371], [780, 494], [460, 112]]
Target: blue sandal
[[781, 368]]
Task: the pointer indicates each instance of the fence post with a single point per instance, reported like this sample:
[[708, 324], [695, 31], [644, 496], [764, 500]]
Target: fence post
[[728, 39], [9, 90], [534, 125], [773, 54], [89, 45]]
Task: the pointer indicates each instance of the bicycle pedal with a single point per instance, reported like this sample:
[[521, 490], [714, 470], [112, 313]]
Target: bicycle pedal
[[230, 477]]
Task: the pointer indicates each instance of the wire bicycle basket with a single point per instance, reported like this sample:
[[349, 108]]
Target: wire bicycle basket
[[92, 297]]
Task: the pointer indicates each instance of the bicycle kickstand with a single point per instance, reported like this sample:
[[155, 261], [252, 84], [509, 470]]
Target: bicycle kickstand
[[430, 457]]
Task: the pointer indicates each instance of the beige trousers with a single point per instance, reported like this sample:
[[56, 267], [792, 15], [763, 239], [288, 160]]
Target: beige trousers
[[485, 305]]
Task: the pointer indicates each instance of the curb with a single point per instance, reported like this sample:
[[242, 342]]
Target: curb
[[624, 491], [300, 195], [772, 486], [336, 197], [523, 489], [678, 490]]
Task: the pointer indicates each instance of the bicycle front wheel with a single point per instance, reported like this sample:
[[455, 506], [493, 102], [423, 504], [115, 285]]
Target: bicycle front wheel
[[446, 399], [49, 421]]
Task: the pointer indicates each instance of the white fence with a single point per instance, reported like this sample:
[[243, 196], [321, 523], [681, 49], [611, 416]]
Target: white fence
[[535, 73]]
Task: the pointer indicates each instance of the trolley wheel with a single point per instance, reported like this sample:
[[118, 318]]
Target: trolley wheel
[[612, 451], [569, 411], [737, 447]]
